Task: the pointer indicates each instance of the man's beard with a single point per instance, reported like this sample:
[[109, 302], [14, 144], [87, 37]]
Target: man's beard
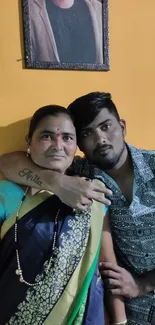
[[106, 163]]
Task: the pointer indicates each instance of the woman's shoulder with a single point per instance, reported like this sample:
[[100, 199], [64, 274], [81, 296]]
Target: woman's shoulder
[[8, 186], [10, 196]]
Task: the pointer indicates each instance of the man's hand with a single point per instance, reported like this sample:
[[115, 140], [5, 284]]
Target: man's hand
[[78, 193], [120, 282]]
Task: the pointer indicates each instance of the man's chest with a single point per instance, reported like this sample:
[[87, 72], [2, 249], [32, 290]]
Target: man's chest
[[141, 205], [126, 186], [133, 227]]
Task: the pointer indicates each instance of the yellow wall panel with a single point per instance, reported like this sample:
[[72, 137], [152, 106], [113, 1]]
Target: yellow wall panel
[[131, 79]]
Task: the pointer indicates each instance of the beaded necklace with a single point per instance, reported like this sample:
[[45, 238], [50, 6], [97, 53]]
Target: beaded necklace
[[19, 270]]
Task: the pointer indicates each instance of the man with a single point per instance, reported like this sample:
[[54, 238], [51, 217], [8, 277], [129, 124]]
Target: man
[[130, 174], [68, 31]]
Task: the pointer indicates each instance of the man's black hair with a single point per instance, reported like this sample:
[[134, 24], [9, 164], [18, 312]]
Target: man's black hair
[[84, 109]]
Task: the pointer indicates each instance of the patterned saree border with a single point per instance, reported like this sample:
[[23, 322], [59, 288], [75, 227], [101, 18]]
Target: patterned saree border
[[84, 290], [64, 309], [81, 312]]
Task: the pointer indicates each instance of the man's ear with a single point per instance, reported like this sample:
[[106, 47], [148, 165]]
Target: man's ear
[[123, 127]]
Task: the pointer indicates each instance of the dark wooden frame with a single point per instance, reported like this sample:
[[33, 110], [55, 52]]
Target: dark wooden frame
[[29, 63]]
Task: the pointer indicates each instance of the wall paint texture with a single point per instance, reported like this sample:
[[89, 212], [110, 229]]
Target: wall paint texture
[[130, 80]]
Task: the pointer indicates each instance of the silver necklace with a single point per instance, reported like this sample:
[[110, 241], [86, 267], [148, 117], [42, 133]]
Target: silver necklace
[[19, 270]]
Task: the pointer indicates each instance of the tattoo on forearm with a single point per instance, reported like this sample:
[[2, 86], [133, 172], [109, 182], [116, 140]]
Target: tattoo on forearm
[[30, 176]]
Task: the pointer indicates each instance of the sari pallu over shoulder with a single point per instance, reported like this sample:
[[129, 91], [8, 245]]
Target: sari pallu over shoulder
[[64, 291], [66, 310]]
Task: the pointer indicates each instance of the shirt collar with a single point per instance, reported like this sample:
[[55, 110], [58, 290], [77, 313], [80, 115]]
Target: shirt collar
[[142, 171]]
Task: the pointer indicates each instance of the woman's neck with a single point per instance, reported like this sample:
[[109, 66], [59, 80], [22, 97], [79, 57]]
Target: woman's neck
[[64, 4]]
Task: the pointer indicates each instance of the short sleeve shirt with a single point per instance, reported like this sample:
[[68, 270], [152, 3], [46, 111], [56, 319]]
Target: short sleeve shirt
[[133, 225]]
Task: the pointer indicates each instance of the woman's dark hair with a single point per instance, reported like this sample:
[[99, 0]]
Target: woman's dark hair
[[84, 109], [41, 113]]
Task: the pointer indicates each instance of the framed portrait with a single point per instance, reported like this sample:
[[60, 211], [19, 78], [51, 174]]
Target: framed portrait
[[66, 34]]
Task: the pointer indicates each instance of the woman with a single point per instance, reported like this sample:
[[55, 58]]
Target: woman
[[49, 253]]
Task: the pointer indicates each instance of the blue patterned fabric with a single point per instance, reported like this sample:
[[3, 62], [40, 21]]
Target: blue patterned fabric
[[133, 225]]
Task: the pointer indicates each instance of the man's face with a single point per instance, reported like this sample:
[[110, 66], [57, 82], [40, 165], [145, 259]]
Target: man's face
[[102, 141]]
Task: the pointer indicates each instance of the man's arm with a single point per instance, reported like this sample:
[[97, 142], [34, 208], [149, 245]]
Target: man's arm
[[76, 192], [114, 304], [121, 282], [149, 281]]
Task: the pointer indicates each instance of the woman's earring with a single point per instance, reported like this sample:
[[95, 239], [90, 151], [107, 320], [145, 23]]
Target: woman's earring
[[28, 152]]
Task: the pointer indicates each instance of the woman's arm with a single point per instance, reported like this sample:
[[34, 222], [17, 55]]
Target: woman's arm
[[114, 305]]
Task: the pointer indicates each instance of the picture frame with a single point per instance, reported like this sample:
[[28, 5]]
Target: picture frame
[[53, 41]]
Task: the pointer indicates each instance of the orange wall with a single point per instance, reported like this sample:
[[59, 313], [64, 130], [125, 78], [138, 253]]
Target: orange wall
[[131, 79]]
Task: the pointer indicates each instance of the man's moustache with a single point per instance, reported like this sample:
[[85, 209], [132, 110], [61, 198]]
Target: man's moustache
[[102, 148]]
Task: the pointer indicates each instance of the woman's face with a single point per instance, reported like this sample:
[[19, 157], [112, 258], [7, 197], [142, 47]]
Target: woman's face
[[53, 143]]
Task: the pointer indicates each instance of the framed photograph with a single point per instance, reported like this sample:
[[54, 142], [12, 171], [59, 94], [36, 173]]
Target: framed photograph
[[66, 34]]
